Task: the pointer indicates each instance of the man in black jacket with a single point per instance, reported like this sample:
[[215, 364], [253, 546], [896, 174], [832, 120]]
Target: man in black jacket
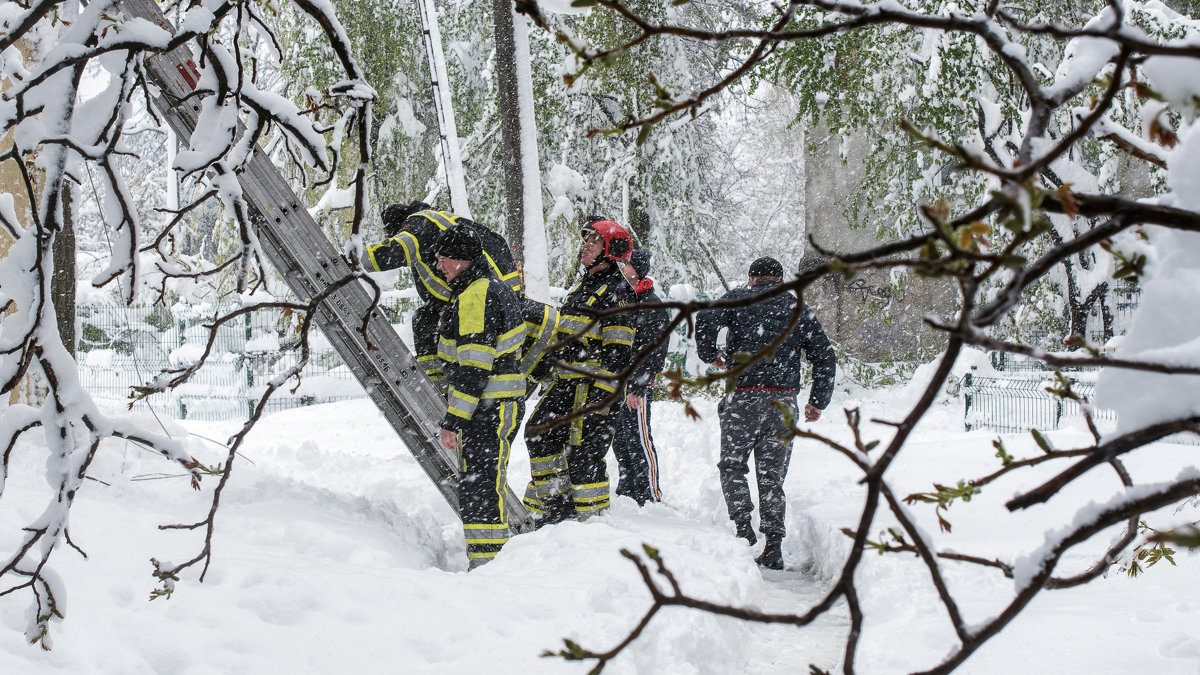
[[480, 334], [566, 459], [633, 444], [412, 231], [750, 420]]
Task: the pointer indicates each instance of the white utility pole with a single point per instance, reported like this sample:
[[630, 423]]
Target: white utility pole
[[447, 127]]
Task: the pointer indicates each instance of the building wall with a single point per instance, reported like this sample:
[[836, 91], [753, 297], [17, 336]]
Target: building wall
[[869, 316]]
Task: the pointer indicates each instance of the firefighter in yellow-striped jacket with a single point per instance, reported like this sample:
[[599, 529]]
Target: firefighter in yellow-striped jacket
[[569, 478], [480, 335], [412, 231]]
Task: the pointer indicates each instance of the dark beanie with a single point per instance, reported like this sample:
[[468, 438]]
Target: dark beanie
[[394, 215], [640, 259], [766, 267], [459, 243]]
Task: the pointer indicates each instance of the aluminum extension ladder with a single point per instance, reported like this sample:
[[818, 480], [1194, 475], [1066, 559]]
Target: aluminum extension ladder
[[309, 263]]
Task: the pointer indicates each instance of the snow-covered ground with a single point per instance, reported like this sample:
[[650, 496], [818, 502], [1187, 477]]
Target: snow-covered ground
[[335, 554]]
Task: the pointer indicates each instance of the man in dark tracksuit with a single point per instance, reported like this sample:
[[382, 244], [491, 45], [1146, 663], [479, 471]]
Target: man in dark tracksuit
[[480, 334], [569, 478], [412, 231], [633, 444], [750, 422]]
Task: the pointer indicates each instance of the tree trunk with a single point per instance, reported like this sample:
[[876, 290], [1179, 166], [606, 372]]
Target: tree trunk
[[525, 228], [510, 126], [62, 283]]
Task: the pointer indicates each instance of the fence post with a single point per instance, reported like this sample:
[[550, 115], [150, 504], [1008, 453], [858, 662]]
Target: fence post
[[248, 361], [968, 379]]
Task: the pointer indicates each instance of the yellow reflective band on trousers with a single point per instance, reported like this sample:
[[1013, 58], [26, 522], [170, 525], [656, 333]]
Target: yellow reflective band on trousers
[[581, 394], [509, 421], [547, 466], [486, 533], [591, 498], [532, 502]]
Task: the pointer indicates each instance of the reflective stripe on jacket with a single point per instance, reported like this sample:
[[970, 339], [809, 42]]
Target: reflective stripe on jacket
[[605, 345], [413, 247], [480, 336]]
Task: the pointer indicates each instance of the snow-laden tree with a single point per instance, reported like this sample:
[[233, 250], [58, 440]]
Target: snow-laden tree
[[1040, 108], [63, 139], [862, 83]]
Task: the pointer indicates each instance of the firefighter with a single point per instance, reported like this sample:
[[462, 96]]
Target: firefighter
[[480, 334], [412, 231], [750, 421], [569, 478], [633, 443]]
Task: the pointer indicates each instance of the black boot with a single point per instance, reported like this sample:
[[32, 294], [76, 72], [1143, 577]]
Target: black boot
[[557, 509], [772, 555], [745, 531]]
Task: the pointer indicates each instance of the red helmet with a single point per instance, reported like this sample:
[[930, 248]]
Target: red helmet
[[618, 245]]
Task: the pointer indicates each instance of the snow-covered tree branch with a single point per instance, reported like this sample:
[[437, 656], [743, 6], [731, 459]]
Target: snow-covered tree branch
[[1036, 108], [77, 77]]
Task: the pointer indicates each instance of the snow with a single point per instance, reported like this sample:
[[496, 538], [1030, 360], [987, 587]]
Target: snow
[[334, 552], [536, 271], [1160, 329], [563, 7]]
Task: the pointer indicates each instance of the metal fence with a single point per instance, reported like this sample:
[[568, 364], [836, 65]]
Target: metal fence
[[1009, 404], [121, 348], [125, 347]]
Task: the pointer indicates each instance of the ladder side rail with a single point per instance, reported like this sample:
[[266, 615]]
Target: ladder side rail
[[309, 263]]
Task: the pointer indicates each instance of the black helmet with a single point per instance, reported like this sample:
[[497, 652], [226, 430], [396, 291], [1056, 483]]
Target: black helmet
[[394, 215], [458, 243]]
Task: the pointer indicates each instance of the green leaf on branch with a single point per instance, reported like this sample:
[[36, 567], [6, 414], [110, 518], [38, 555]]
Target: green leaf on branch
[[573, 651], [1005, 458], [1042, 441], [1188, 537], [943, 496]]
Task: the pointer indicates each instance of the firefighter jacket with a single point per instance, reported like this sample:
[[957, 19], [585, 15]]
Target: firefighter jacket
[[413, 246], [541, 328], [753, 327], [480, 335], [606, 347], [650, 324]]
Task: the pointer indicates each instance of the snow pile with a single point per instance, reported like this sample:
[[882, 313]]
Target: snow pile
[[1164, 329], [334, 553]]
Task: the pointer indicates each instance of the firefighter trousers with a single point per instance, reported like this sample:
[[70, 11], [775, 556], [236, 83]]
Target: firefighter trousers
[[636, 459], [483, 450], [569, 474], [425, 340], [752, 424]]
